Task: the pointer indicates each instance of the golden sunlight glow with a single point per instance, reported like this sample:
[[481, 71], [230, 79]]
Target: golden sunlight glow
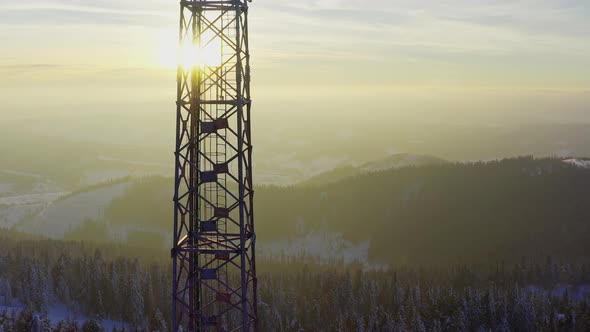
[[192, 55]]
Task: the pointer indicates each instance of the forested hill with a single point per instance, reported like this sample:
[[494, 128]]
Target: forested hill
[[465, 213]]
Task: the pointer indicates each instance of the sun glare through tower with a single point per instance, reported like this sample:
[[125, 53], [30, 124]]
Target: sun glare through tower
[[204, 53]]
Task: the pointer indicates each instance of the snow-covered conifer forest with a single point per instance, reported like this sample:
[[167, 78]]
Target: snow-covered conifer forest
[[122, 288]]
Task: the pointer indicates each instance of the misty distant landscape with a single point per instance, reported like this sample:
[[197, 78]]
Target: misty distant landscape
[[456, 213], [335, 207]]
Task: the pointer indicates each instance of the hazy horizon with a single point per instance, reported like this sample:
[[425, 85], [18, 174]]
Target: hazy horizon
[[449, 61]]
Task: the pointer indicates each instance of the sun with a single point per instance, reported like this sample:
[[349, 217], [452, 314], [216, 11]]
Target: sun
[[207, 53]]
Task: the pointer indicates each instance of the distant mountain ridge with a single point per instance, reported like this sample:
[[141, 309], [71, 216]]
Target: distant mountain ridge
[[401, 160], [393, 161]]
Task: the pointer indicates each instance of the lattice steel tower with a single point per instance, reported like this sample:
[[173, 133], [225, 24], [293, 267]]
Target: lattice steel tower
[[214, 287]]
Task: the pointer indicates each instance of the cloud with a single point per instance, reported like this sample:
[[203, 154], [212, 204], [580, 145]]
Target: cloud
[[98, 13], [464, 32], [376, 36]]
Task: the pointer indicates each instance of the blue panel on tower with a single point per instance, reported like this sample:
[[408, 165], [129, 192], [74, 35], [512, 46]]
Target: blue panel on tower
[[209, 320], [208, 226], [208, 127], [221, 168], [221, 212], [209, 274], [221, 123], [209, 176]]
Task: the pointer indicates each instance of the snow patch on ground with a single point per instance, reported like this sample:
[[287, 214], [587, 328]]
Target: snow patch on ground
[[327, 247], [6, 188], [59, 312], [581, 163]]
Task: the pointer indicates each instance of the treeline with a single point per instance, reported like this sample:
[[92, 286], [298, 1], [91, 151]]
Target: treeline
[[299, 295], [26, 320], [413, 300]]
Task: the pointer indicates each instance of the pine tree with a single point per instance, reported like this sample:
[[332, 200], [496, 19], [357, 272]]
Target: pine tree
[[388, 325], [158, 323], [24, 321], [504, 326], [5, 323], [137, 304], [112, 301], [418, 323], [45, 323], [92, 326], [436, 326], [36, 324], [7, 292], [583, 322], [67, 325], [400, 325]]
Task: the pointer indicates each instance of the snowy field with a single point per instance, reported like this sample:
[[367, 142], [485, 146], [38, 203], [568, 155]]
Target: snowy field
[[6, 188], [61, 216], [15, 208], [10, 215], [31, 198]]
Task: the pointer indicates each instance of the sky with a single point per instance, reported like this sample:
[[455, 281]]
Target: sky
[[460, 53]]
